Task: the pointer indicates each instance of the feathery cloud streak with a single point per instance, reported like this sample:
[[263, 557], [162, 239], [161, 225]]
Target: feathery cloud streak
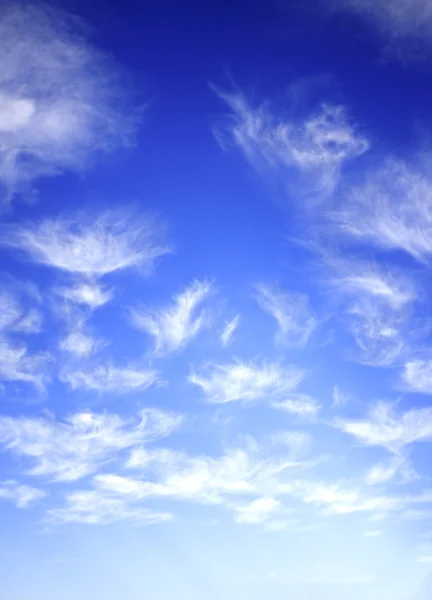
[[61, 100], [315, 148], [173, 326]]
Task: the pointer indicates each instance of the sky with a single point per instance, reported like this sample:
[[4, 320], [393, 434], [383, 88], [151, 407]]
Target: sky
[[215, 254]]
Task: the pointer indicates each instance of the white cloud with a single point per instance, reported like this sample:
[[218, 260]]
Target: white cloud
[[87, 245], [94, 508], [387, 470], [372, 533], [110, 378], [14, 317], [86, 293], [391, 210], [291, 312], [377, 308], [424, 559], [173, 326], [315, 148], [417, 376], [229, 330], [402, 23], [246, 381], [257, 511], [300, 405], [71, 449], [383, 427], [339, 397], [21, 495], [61, 101], [16, 364], [78, 343]]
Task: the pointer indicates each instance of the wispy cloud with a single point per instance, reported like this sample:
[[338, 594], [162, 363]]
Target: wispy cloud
[[14, 317], [71, 449], [391, 210], [246, 381], [384, 427], [21, 495], [402, 23], [257, 511], [17, 364], [291, 312], [378, 303], [417, 376], [301, 405], [86, 293], [228, 331], [173, 326], [61, 101], [87, 245], [387, 470], [314, 148], [95, 508], [110, 378]]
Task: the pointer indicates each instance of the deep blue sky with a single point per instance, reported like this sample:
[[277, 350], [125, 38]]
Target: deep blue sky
[[215, 366]]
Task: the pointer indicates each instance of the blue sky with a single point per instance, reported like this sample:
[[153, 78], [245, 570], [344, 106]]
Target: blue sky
[[215, 241]]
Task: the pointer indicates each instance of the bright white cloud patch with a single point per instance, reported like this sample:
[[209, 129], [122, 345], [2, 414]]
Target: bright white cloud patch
[[228, 331], [257, 511], [21, 495], [246, 381], [71, 449], [110, 378], [173, 326], [417, 376], [18, 364], [88, 246], [61, 101], [315, 148], [391, 210], [384, 427], [378, 303], [301, 405], [85, 293], [291, 311]]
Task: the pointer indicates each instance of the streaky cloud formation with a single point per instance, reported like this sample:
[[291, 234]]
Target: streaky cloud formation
[[402, 23], [22, 496], [71, 449], [15, 318], [109, 378], [89, 245], [86, 293], [391, 210], [96, 509], [17, 364], [173, 326], [384, 427], [251, 381], [62, 102], [228, 331], [378, 306], [314, 148], [301, 405], [417, 376], [291, 312]]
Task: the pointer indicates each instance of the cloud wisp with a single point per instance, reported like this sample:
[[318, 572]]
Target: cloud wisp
[[88, 245], [21, 495], [71, 449], [405, 25], [291, 311], [62, 102], [226, 336], [312, 150], [172, 327], [391, 210], [248, 382], [109, 378]]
